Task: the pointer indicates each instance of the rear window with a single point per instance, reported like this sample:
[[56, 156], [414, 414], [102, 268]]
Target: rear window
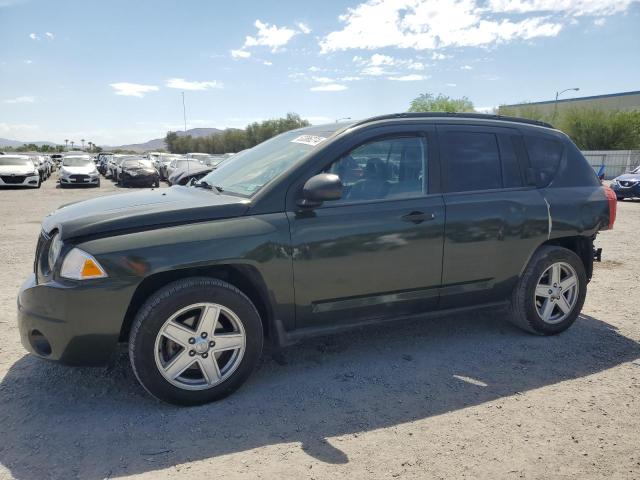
[[545, 155]]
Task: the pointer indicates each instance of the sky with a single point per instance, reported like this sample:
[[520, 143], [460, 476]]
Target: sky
[[113, 72]]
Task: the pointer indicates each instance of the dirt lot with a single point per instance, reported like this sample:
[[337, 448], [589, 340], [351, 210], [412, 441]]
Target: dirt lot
[[462, 397]]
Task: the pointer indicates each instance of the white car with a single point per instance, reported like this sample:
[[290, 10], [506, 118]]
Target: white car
[[18, 171], [78, 170]]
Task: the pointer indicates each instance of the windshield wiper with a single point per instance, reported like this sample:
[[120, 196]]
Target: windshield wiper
[[204, 184]]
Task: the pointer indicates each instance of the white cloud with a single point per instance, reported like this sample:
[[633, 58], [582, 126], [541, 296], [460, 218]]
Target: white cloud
[[599, 22], [303, 27], [267, 63], [269, 36], [34, 36], [22, 99], [431, 25], [240, 53], [451, 84], [183, 84], [314, 69], [439, 56], [409, 78], [323, 79], [331, 87], [28, 61], [466, 67], [49, 35], [378, 65], [350, 78], [132, 89], [567, 7]]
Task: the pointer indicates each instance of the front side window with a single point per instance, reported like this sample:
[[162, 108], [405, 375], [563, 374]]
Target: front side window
[[471, 161], [383, 169]]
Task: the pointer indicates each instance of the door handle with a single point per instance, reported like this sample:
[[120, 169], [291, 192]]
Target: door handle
[[418, 217]]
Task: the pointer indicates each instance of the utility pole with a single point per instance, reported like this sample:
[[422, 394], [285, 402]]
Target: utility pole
[[184, 113]]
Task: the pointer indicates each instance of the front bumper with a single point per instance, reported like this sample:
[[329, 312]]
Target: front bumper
[[80, 179], [140, 179], [19, 180], [75, 324], [632, 191]]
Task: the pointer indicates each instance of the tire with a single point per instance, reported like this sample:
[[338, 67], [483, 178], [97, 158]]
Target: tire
[[525, 304], [121, 181], [145, 341]]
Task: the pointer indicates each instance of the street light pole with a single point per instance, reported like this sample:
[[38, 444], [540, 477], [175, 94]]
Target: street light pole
[[184, 113], [555, 104]]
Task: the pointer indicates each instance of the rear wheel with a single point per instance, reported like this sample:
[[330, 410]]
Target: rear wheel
[[195, 341], [550, 293]]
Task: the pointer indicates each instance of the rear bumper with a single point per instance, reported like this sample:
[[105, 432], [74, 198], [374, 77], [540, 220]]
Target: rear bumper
[[72, 324]]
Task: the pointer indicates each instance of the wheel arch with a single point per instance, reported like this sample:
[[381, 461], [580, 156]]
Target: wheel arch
[[244, 277], [578, 244]]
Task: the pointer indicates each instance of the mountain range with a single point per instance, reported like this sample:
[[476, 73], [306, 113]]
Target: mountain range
[[155, 144]]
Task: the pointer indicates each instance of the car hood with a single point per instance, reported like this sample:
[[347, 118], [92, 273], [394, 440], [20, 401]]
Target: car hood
[[143, 210], [16, 169], [79, 170], [629, 177]]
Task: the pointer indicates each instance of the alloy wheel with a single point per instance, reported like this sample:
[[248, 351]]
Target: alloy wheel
[[200, 346], [556, 293]]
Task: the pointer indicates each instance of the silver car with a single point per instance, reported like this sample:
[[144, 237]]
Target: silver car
[[18, 171]]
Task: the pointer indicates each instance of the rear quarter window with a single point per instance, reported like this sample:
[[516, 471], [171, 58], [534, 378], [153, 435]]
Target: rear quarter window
[[545, 155]]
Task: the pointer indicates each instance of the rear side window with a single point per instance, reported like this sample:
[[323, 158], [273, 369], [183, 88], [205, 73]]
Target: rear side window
[[545, 155], [472, 161]]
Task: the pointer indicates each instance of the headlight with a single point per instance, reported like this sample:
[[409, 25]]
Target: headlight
[[79, 265], [133, 173], [54, 251]]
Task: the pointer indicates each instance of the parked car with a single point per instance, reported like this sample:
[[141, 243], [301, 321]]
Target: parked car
[[18, 171], [184, 176], [627, 185], [179, 165], [103, 162], [57, 159], [78, 170], [164, 162], [38, 163], [314, 231], [114, 166], [138, 172]]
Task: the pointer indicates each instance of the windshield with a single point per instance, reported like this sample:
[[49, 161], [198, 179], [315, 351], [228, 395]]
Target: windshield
[[247, 172], [76, 162], [142, 163], [13, 161]]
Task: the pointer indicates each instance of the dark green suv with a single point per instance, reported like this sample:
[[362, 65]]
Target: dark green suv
[[313, 231]]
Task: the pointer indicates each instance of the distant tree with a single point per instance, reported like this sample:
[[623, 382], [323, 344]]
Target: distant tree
[[66, 143], [594, 129], [233, 139], [427, 102]]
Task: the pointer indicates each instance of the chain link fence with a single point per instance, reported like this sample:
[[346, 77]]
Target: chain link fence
[[615, 162]]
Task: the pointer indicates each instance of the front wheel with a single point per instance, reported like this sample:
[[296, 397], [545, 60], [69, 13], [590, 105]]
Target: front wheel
[[550, 294], [195, 341]]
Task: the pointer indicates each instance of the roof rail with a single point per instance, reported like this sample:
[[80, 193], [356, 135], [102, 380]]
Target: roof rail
[[478, 116]]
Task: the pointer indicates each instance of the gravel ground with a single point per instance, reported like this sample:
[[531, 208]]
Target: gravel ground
[[462, 397]]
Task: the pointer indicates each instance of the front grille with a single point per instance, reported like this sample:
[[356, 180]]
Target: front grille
[[79, 178], [13, 179], [626, 183]]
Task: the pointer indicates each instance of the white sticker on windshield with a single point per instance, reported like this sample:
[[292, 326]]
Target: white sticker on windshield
[[308, 140]]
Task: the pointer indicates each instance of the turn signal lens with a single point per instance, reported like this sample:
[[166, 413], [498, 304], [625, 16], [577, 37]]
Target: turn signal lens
[[79, 265]]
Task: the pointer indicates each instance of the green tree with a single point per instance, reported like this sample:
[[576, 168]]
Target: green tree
[[594, 129], [233, 139], [427, 102]]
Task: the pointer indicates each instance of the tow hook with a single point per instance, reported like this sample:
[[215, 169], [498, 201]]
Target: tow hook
[[597, 254]]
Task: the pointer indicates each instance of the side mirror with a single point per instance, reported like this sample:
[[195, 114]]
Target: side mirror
[[320, 188]]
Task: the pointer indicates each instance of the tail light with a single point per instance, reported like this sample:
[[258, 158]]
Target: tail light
[[613, 205]]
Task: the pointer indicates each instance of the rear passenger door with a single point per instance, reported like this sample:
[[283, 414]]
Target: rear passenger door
[[494, 218]]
